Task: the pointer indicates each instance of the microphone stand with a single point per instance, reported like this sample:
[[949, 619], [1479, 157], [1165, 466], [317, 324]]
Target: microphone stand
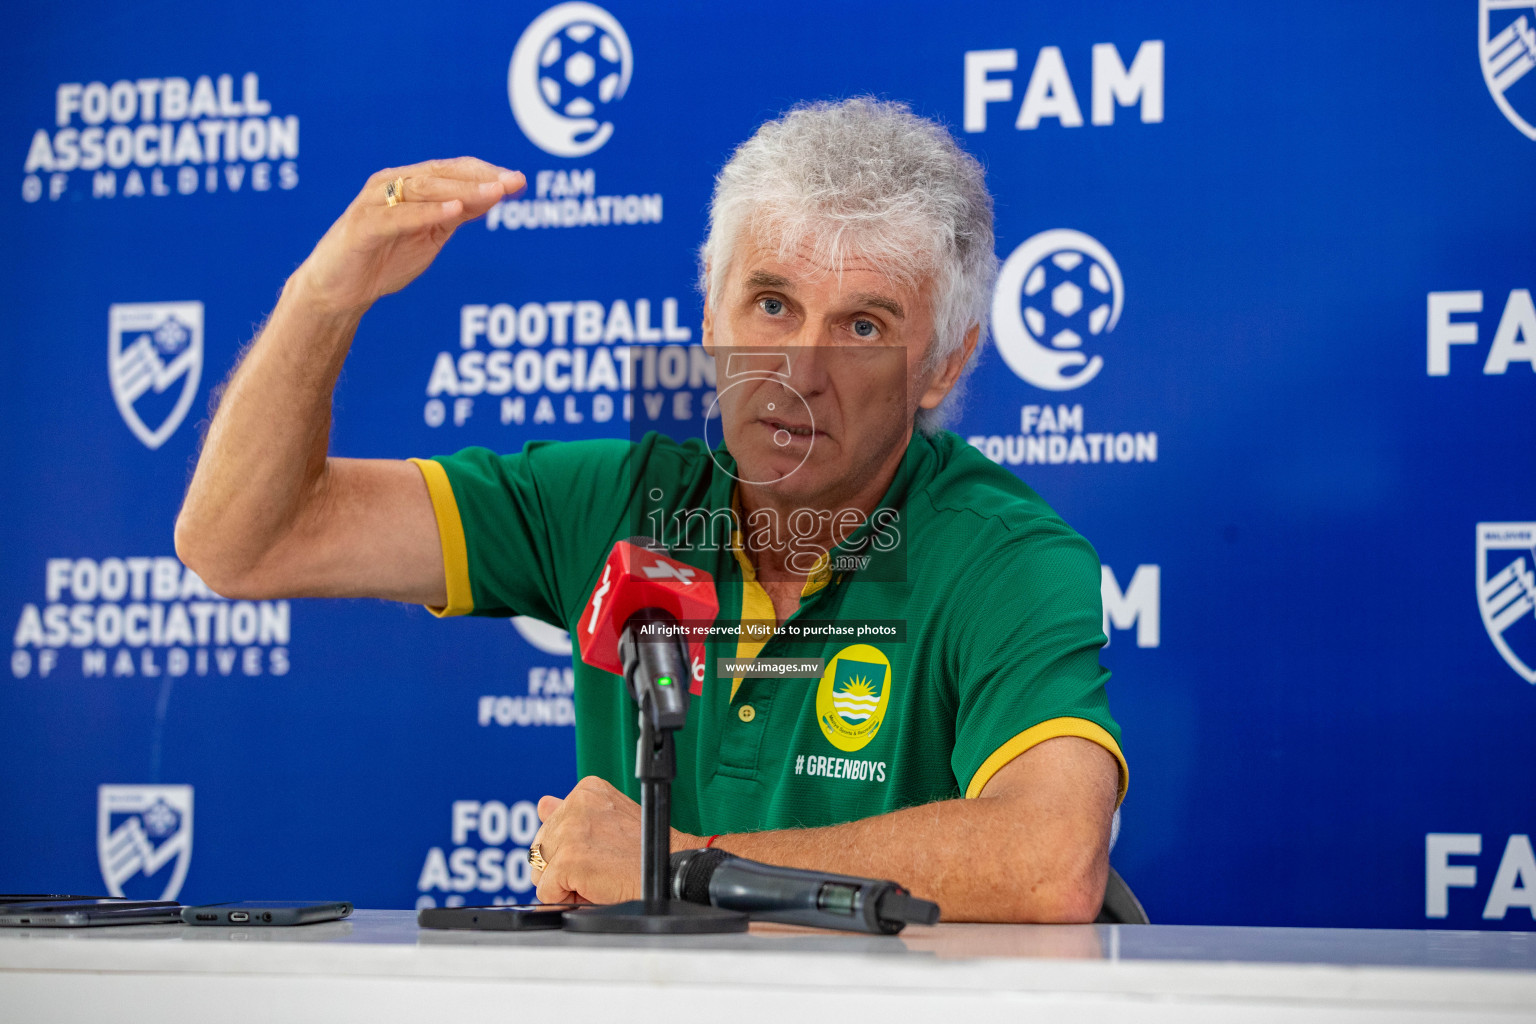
[[657, 674]]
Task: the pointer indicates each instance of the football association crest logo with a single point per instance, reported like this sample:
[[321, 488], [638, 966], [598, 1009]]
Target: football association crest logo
[[144, 839], [1056, 291], [1506, 592], [572, 61], [853, 696], [1506, 45], [154, 363]]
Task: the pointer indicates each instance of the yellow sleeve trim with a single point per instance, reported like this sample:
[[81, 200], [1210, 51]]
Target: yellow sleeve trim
[[450, 531], [1037, 734]]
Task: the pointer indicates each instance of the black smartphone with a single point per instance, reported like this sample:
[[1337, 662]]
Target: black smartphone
[[14, 897], [267, 912], [89, 913], [507, 918]]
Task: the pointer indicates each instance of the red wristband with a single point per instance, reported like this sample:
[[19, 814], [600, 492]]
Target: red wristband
[[710, 842]]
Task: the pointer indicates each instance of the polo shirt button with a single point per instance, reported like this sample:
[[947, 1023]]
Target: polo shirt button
[[746, 713]]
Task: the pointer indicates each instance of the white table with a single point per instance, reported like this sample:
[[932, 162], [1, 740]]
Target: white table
[[378, 966]]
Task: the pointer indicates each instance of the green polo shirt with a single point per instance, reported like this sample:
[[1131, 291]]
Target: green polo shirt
[[999, 597]]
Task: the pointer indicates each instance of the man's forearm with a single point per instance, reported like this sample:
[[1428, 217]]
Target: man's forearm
[[267, 512], [978, 859], [265, 453]]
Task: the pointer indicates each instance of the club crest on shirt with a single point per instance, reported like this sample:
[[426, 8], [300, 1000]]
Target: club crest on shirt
[[853, 696]]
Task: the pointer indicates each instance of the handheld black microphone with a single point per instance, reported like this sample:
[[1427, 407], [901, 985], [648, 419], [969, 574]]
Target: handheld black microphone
[[791, 896]]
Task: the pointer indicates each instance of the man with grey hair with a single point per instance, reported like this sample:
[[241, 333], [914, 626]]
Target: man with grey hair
[[972, 758]]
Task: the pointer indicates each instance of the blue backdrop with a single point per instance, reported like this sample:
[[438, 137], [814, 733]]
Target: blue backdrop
[[1265, 336]]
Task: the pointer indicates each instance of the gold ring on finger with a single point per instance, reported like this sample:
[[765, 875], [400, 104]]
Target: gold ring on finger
[[394, 192], [536, 858]]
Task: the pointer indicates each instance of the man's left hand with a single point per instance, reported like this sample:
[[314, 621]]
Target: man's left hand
[[590, 842]]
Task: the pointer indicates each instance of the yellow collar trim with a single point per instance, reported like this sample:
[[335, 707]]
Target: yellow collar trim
[[819, 576], [756, 605]]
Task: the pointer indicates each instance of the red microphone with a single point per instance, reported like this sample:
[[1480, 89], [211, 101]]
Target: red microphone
[[639, 575]]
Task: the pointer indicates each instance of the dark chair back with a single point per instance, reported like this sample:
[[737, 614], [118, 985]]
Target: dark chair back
[[1120, 904]]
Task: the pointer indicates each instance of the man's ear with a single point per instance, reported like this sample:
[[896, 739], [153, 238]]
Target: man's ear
[[949, 372]]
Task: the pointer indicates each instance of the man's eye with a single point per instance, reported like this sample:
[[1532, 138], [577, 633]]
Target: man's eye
[[865, 328], [773, 307]]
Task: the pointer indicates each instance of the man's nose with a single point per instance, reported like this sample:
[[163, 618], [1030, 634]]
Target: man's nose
[[808, 368], [811, 357]]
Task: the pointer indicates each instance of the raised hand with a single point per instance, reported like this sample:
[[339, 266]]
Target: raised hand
[[374, 249]]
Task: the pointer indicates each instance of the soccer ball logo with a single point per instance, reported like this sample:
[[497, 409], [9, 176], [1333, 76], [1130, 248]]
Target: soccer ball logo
[[572, 62], [579, 65], [1055, 292], [1065, 295], [547, 638]]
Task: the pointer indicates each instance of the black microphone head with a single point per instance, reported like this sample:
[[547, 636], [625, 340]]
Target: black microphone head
[[691, 872], [639, 540]]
